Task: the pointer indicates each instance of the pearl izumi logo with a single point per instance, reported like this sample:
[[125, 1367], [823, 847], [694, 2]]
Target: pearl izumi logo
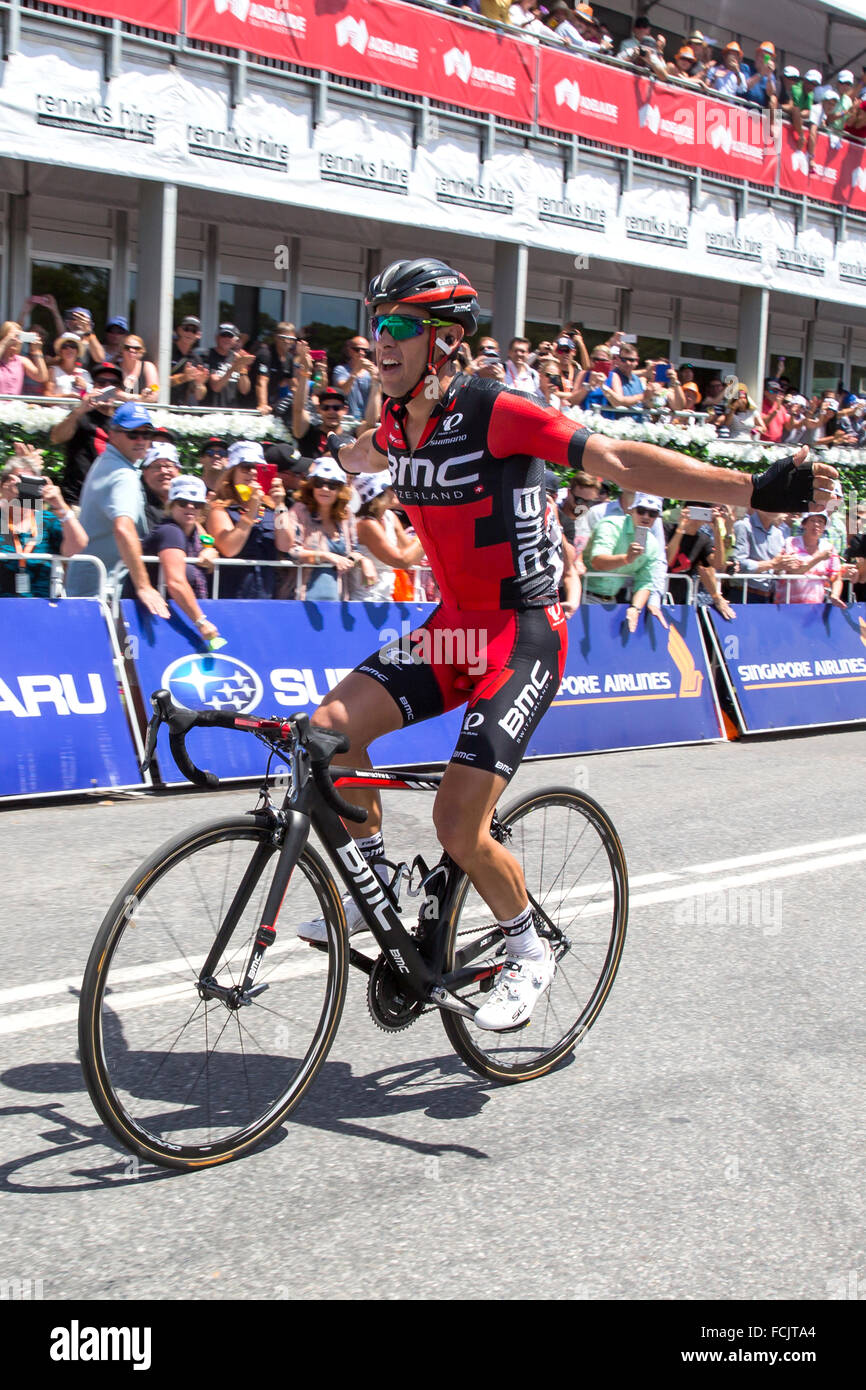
[[567, 93], [458, 63], [121, 122], [364, 173], [465, 193], [274, 16], [77, 1343], [356, 34]]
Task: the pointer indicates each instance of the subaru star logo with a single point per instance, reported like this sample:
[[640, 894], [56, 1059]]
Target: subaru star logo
[[353, 33], [458, 63], [567, 93], [213, 682]]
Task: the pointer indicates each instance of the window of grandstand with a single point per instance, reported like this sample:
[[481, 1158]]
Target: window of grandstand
[[187, 298], [825, 374], [71, 285], [335, 311], [256, 309]]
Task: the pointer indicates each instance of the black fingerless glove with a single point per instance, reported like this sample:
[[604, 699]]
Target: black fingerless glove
[[783, 487]]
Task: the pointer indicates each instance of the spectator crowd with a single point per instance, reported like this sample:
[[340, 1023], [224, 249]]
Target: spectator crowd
[[700, 61], [125, 500]]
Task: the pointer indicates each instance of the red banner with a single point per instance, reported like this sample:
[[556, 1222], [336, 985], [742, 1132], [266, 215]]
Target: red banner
[[393, 44], [836, 171], [639, 113], [158, 14]]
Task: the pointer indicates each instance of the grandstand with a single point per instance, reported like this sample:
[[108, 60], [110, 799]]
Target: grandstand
[[256, 163]]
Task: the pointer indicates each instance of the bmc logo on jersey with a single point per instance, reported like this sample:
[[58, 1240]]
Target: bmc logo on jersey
[[408, 472]]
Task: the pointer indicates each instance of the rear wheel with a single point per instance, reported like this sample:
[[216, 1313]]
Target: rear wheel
[[182, 1077], [576, 878]]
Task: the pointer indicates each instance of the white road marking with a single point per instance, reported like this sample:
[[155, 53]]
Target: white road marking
[[817, 856]]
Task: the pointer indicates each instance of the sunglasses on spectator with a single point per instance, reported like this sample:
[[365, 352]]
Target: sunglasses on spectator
[[331, 405], [216, 453], [646, 511], [133, 347], [139, 434], [285, 337], [245, 466], [187, 502], [402, 326], [330, 484]]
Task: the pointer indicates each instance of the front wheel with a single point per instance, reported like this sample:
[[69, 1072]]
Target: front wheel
[[181, 1076], [576, 878]]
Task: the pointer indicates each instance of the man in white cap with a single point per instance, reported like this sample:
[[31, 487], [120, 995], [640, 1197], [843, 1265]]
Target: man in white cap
[[623, 548], [159, 467]]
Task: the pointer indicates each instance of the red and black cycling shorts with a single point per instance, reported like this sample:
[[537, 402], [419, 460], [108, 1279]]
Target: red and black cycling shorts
[[504, 664]]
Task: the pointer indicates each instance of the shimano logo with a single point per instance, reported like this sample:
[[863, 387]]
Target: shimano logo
[[514, 720]]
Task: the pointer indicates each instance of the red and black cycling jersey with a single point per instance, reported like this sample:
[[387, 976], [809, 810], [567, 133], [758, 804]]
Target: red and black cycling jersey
[[473, 490]]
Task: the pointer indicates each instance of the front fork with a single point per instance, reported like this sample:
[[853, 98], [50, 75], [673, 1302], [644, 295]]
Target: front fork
[[294, 836]]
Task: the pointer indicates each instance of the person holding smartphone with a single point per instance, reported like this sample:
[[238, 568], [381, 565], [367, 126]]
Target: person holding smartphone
[[24, 531], [355, 377], [80, 321], [622, 548], [16, 370], [690, 552]]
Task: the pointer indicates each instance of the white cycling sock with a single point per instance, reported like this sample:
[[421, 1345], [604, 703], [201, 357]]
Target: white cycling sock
[[373, 849], [522, 940]]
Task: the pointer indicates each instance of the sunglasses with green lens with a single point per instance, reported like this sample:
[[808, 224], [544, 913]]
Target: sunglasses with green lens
[[402, 326]]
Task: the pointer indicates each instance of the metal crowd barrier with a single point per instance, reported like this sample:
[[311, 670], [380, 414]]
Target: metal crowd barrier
[[115, 580]]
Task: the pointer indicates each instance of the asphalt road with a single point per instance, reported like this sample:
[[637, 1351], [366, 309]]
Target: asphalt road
[[704, 1142]]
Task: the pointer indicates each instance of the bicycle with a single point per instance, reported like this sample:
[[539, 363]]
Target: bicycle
[[200, 1030]]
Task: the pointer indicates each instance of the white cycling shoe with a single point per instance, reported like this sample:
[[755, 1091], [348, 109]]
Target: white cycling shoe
[[520, 985], [317, 931]]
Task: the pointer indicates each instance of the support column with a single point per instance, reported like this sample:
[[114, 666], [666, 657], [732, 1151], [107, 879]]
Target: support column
[[210, 287], [154, 311], [676, 349], [510, 273], [809, 352], [18, 255], [293, 282], [752, 331], [118, 299]]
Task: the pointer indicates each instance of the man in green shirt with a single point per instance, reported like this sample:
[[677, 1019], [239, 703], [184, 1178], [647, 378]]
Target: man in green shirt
[[800, 101], [616, 551]]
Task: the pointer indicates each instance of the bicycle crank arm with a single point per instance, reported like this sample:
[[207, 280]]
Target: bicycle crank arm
[[443, 1000]]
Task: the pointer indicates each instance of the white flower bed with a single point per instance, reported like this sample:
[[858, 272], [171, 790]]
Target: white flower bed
[[40, 419], [667, 434]]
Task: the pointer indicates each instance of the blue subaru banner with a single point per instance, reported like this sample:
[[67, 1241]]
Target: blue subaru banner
[[619, 690], [631, 690], [279, 659], [62, 723], [795, 666]]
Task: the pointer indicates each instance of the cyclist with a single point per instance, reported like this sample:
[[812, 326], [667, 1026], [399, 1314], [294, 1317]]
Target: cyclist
[[465, 456]]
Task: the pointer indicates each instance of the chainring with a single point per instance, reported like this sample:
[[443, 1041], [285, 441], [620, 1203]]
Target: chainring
[[391, 1005]]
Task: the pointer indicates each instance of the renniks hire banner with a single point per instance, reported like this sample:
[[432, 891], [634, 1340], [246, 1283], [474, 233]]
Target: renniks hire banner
[[396, 45]]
